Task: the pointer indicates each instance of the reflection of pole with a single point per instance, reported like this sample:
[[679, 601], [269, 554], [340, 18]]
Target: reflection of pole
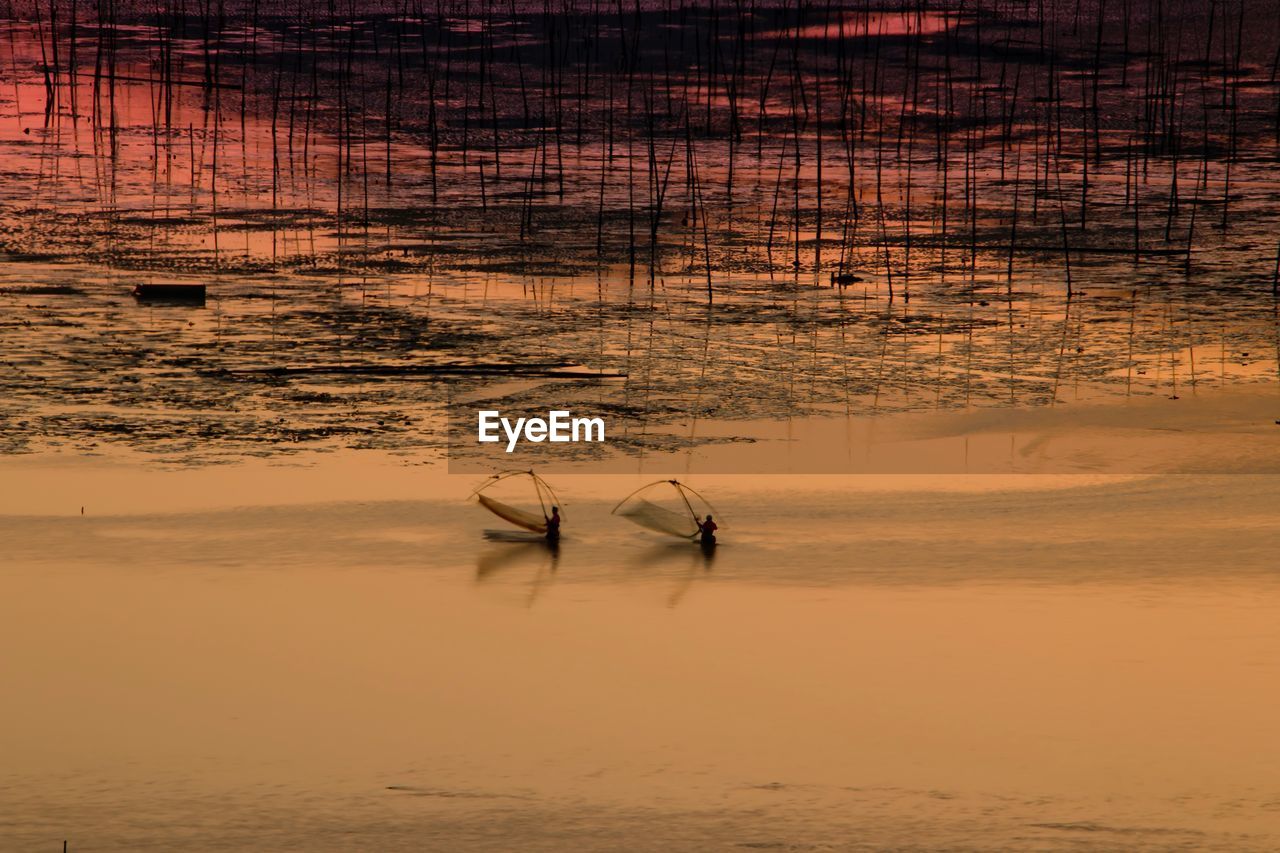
[[1275, 307]]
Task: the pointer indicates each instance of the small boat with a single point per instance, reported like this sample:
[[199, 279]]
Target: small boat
[[173, 294]]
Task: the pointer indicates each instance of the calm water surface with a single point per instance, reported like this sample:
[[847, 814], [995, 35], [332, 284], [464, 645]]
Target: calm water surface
[[915, 663]]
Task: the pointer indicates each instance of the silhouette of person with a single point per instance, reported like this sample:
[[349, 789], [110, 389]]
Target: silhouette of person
[[708, 530], [553, 526]]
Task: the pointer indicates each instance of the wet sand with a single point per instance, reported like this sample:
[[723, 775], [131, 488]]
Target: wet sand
[[968, 662]]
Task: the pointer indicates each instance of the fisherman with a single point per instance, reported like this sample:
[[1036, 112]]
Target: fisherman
[[553, 525], [708, 529]]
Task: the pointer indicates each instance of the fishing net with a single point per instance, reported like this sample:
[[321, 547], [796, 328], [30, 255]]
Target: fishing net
[[666, 506], [518, 517], [658, 518]]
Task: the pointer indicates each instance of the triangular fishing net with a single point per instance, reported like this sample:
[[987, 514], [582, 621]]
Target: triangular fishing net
[[667, 506], [658, 518], [518, 517], [518, 487]]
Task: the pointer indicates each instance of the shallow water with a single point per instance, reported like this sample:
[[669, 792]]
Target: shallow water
[[976, 663], [1038, 210]]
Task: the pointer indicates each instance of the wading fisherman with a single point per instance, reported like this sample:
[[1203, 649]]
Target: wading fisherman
[[553, 525], [708, 530]]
